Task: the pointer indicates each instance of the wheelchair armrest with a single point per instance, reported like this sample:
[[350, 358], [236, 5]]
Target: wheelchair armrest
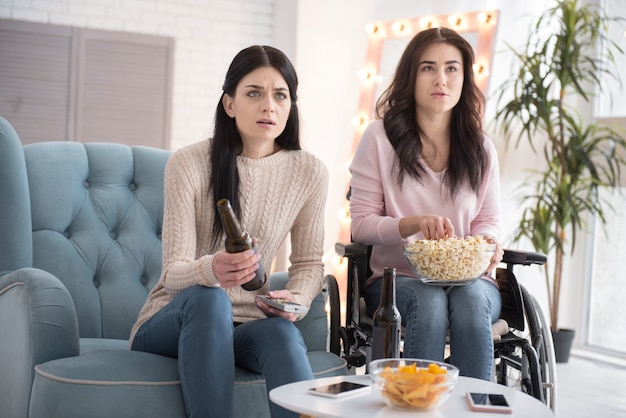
[[517, 257], [351, 249], [525, 258]]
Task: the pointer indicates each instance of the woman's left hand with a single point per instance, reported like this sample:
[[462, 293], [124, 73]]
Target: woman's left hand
[[277, 294], [497, 255]]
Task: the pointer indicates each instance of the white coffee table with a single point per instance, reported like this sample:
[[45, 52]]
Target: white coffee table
[[295, 397]]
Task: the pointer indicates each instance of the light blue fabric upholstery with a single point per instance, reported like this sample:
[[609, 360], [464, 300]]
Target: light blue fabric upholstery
[[80, 248]]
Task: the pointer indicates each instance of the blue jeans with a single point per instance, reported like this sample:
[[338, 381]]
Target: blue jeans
[[427, 313], [197, 328]]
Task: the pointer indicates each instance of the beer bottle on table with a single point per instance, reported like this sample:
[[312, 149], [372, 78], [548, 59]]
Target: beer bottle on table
[[387, 320], [238, 240]]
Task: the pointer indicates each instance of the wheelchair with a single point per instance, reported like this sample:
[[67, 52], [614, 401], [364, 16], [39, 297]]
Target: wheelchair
[[523, 348]]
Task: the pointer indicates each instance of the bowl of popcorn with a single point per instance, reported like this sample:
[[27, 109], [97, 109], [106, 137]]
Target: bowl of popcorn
[[451, 261], [413, 384]]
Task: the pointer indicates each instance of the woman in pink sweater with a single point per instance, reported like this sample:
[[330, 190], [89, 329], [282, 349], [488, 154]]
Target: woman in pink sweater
[[426, 170]]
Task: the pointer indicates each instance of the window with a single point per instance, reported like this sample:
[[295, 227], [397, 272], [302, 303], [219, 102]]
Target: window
[[607, 292], [59, 83], [607, 312]]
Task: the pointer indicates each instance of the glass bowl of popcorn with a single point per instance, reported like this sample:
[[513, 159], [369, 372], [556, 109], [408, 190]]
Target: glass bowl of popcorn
[[450, 262]]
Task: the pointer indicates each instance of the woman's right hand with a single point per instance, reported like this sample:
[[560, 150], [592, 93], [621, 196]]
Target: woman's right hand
[[235, 269], [432, 226]]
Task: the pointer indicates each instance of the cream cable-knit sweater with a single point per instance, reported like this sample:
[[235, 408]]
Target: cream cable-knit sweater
[[281, 193]]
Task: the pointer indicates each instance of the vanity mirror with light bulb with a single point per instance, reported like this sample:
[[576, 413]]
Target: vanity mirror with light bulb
[[387, 40]]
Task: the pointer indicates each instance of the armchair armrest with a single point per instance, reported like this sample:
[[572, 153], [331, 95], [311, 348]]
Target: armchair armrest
[[315, 326], [38, 323]]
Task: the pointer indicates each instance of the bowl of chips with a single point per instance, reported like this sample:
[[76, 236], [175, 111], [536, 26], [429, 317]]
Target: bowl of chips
[[413, 384], [451, 261]]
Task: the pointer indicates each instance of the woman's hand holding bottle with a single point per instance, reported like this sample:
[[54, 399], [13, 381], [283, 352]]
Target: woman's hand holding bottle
[[235, 269]]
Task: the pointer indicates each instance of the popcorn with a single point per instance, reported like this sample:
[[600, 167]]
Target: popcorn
[[450, 259]]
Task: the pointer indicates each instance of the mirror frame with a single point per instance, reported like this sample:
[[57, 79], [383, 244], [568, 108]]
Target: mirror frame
[[484, 23]]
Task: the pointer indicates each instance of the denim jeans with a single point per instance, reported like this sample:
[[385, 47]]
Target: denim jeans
[[197, 328], [427, 313]]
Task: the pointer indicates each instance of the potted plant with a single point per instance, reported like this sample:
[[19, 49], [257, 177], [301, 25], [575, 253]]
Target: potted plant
[[560, 68]]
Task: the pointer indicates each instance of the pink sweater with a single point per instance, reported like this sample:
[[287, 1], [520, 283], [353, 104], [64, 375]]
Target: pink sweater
[[377, 203]]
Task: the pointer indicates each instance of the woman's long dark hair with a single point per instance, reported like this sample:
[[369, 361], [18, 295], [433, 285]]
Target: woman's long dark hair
[[226, 143], [467, 161]]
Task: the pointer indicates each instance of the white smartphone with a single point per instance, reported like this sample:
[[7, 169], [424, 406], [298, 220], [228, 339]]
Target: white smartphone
[[283, 305], [339, 390], [488, 402]]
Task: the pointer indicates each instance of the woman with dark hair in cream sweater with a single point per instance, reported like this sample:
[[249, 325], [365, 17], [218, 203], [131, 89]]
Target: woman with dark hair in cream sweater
[[198, 311]]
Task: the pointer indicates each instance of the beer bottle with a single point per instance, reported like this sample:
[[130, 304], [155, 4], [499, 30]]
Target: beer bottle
[[238, 240], [387, 320]]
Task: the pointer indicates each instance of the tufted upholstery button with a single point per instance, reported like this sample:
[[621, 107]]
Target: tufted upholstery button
[[96, 283], [87, 184], [132, 186], [67, 234], [113, 235], [143, 280]]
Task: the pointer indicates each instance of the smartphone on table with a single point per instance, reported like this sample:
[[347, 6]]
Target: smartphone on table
[[283, 305], [340, 390], [488, 402]]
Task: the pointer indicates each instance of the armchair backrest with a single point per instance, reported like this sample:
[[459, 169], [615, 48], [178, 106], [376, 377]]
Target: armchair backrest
[[15, 225], [90, 214]]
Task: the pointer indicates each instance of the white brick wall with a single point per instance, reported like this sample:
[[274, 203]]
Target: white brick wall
[[208, 34]]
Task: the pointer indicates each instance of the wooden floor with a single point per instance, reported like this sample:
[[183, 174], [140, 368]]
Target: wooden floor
[[590, 389]]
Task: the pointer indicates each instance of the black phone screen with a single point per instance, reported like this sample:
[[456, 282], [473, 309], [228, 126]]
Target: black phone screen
[[489, 399], [337, 388]]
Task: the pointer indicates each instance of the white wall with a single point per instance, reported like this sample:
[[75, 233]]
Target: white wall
[[208, 33]]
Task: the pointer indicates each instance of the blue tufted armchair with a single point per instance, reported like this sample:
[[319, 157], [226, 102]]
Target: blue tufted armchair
[[80, 248]]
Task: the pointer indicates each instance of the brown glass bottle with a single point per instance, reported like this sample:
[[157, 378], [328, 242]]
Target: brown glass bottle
[[387, 320], [238, 240]]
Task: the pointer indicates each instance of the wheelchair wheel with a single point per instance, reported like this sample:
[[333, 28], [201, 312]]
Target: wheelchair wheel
[[525, 358], [333, 308], [547, 359]]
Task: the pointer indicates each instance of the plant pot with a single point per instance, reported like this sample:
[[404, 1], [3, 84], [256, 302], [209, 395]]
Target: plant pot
[[563, 339]]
